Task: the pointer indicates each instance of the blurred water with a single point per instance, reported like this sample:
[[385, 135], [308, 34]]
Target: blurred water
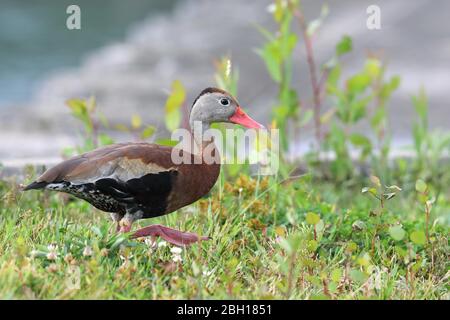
[[34, 39]]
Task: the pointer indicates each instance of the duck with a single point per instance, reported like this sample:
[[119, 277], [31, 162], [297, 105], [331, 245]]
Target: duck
[[139, 180]]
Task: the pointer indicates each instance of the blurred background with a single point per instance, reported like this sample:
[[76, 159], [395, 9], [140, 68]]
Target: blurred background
[[127, 54]]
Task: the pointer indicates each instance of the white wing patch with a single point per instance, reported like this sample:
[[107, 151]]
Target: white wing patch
[[122, 169]]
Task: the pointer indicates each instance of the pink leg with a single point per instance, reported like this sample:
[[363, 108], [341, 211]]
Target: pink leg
[[172, 236], [124, 228]]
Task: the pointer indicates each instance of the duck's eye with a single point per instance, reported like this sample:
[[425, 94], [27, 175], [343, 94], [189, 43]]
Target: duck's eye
[[224, 102]]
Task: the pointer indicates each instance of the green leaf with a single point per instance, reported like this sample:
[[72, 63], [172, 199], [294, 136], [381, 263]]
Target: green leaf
[[351, 246], [420, 103], [358, 225], [344, 45], [105, 139], [272, 58], [394, 188], [375, 180], [79, 109], [358, 276], [173, 120], [394, 83], [307, 116], [167, 142], [136, 121], [397, 233], [148, 132], [358, 83], [378, 118], [176, 97], [388, 88], [104, 121], [360, 141], [421, 186], [373, 68], [312, 245], [336, 275], [389, 196], [363, 260], [173, 105], [334, 75], [122, 128], [312, 218], [278, 12], [418, 237]]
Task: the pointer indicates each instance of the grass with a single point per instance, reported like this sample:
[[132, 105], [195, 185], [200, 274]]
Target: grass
[[305, 239]]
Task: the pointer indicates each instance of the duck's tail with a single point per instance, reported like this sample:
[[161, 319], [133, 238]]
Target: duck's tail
[[35, 185]]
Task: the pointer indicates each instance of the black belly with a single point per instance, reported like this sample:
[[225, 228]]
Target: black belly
[[145, 196]]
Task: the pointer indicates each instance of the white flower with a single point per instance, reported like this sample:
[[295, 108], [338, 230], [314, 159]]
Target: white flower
[[207, 272], [176, 250], [34, 253], [278, 239], [176, 258], [52, 255], [149, 242], [228, 70], [162, 244], [87, 252], [271, 8], [52, 247]]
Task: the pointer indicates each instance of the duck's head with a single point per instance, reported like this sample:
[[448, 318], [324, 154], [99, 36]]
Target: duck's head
[[216, 105]]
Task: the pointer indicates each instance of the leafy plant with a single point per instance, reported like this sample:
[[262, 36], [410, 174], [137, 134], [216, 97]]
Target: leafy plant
[[173, 106], [277, 56], [431, 147], [427, 201], [382, 194], [96, 125]]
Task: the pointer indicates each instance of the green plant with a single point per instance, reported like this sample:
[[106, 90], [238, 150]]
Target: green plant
[[227, 77], [382, 91], [431, 147], [427, 201], [351, 106], [277, 56], [96, 125], [382, 194], [91, 118]]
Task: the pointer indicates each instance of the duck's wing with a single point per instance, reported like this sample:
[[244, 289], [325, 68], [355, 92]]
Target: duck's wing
[[122, 162], [116, 177]]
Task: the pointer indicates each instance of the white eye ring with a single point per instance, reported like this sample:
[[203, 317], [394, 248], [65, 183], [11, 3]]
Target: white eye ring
[[224, 101]]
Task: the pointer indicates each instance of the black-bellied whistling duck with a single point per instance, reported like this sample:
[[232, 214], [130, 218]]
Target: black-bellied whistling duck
[[140, 180]]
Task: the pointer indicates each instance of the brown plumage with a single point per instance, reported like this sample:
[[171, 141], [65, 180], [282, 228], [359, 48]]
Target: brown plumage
[[177, 184], [140, 180]]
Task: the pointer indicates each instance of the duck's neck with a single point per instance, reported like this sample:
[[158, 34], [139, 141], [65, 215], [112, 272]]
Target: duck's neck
[[204, 142], [198, 130]]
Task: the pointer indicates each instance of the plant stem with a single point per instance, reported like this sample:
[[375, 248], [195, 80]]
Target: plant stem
[[315, 84], [427, 221], [290, 275]]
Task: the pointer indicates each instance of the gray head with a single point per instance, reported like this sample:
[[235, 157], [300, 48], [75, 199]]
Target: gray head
[[216, 105]]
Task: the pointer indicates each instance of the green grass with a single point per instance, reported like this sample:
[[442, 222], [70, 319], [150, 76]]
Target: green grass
[[262, 246]]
